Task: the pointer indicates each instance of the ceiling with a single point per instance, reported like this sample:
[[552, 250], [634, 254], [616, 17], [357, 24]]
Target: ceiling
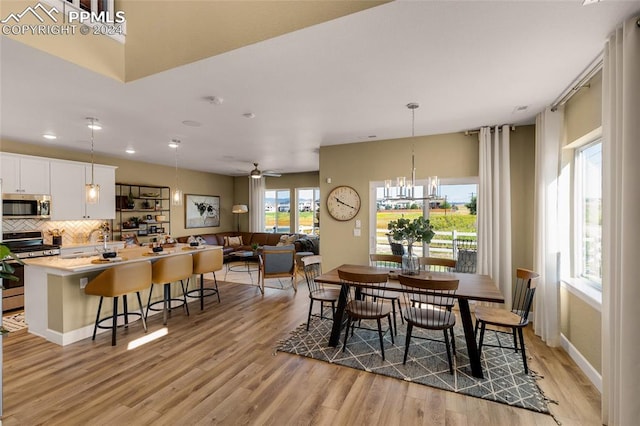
[[467, 64]]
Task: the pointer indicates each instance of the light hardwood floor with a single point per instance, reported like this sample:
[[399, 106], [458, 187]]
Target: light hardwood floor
[[218, 367]]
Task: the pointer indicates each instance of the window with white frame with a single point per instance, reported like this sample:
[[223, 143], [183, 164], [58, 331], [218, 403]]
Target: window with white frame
[[307, 214], [277, 208], [588, 217]]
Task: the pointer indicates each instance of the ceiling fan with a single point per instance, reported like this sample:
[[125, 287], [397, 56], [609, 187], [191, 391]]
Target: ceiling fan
[[257, 174]]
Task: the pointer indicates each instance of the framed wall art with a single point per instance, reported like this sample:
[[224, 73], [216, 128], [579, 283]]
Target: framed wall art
[[202, 211]]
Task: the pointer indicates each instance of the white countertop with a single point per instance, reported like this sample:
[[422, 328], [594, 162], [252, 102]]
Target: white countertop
[[128, 255]]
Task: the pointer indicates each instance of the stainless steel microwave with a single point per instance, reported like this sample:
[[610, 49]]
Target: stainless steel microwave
[[25, 206]]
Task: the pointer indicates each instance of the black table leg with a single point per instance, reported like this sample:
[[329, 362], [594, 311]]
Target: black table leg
[[469, 335], [334, 339]]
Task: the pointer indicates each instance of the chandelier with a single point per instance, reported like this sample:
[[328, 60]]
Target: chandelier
[[405, 187]]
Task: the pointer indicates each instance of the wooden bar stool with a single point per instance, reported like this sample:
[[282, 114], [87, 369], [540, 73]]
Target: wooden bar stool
[[119, 281], [204, 262], [166, 271]]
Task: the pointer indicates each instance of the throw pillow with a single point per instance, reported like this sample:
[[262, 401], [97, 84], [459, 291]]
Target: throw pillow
[[286, 240], [233, 241]]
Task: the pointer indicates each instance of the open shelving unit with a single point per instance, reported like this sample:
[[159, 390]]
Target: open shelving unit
[[138, 208]]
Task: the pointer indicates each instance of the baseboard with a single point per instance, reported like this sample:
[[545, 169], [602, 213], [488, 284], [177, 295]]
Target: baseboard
[[583, 364]]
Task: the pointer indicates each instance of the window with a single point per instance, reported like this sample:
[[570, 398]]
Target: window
[[588, 204], [277, 208], [307, 217], [453, 216]]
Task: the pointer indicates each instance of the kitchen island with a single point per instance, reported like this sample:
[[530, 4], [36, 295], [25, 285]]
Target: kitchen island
[[55, 304]]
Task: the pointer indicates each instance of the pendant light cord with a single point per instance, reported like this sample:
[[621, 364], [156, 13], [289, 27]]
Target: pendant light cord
[[176, 167], [92, 127]]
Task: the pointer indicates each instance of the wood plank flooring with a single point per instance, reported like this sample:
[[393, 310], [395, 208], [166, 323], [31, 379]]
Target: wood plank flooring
[[218, 367]]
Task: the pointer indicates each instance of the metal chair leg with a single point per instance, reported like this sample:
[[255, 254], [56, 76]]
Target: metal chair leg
[[380, 337], [408, 340], [114, 325], [95, 327], [144, 321]]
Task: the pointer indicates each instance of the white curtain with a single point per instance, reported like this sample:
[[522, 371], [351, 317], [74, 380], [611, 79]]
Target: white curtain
[[494, 209], [256, 205], [549, 127], [621, 226]]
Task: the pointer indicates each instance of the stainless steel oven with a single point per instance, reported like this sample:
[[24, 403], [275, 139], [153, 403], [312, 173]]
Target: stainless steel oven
[[13, 293], [25, 206], [25, 244]]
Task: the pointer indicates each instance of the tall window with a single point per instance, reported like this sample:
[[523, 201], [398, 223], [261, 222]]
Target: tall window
[[588, 190], [307, 218], [277, 208]]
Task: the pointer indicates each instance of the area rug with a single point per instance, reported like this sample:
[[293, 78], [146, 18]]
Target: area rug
[[504, 381], [14, 322]]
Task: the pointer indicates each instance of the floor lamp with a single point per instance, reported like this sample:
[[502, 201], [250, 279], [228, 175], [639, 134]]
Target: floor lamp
[[239, 209]]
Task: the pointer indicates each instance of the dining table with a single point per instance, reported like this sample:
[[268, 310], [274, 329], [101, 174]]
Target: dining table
[[474, 287]]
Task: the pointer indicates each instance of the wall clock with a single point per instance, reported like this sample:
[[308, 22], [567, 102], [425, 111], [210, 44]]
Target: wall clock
[[343, 203]]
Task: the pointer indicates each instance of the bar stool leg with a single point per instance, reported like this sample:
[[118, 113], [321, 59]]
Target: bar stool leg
[[95, 327], [146, 315], [201, 292], [184, 295], [215, 280], [115, 321], [166, 303], [126, 311], [144, 321]]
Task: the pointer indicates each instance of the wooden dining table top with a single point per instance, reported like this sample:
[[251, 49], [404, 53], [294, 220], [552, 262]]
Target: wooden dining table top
[[470, 286]]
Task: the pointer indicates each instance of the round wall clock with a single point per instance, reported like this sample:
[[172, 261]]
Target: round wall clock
[[343, 203]]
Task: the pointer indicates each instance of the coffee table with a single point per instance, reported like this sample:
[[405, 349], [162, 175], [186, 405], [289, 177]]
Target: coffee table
[[243, 261]]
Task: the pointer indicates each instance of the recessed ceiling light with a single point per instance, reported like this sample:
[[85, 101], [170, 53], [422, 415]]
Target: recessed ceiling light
[[174, 143], [49, 136], [249, 115], [216, 100], [130, 151], [93, 123], [192, 123]]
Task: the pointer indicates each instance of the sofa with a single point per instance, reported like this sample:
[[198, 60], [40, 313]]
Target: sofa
[[229, 241]]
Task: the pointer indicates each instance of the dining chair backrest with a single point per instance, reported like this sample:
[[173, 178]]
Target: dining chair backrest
[[523, 293], [467, 261], [312, 268], [396, 247], [385, 260], [278, 259], [375, 283], [437, 264], [437, 291]]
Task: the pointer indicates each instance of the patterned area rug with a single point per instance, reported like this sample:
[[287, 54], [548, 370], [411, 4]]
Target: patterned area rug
[[14, 322], [504, 381]]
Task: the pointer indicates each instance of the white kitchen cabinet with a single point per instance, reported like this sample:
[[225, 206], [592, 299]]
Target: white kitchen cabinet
[[105, 176], [24, 174], [68, 191]]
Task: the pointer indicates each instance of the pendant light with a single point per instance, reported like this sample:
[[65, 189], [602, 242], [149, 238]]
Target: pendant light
[[176, 195], [92, 190], [404, 189]]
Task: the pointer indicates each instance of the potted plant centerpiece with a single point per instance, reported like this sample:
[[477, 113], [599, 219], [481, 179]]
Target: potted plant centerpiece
[[412, 231]]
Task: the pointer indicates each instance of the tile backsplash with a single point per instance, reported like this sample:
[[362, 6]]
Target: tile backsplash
[[75, 231]]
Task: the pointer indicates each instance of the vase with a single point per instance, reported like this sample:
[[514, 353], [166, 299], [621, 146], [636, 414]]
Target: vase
[[410, 263]]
